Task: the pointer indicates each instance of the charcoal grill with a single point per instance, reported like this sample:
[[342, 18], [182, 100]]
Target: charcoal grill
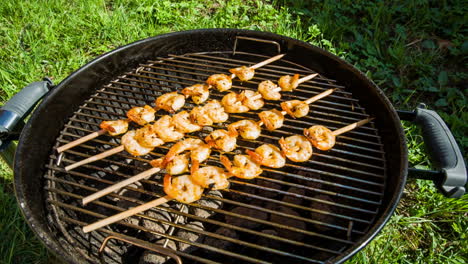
[[323, 210]]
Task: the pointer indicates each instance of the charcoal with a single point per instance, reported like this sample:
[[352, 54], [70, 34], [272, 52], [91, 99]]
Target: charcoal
[[290, 222], [268, 242], [130, 194], [151, 257], [154, 225], [268, 184], [190, 236], [293, 199], [324, 218], [207, 202], [219, 243], [309, 182], [243, 211], [180, 208]]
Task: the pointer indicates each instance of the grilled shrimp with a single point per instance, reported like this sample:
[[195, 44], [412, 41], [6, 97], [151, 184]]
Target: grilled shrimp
[[320, 136], [199, 150], [272, 119], [232, 103], [249, 99], [243, 73], [166, 129], [269, 90], [210, 176], [183, 123], [182, 188], [170, 102], [216, 112], [221, 82], [222, 140], [157, 163], [268, 155], [147, 137], [288, 83], [242, 166], [115, 127], [198, 92], [141, 115], [247, 129], [199, 116], [296, 148], [178, 165], [131, 145], [295, 108]]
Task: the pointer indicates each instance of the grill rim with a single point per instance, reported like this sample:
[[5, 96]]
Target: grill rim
[[23, 189]]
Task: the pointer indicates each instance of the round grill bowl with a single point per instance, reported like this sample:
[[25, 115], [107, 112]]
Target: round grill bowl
[[38, 138]]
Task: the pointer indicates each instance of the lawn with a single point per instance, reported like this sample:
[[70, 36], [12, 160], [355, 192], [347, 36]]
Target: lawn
[[416, 51]]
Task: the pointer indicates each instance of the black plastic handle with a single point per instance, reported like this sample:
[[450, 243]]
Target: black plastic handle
[[21, 104], [443, 151]]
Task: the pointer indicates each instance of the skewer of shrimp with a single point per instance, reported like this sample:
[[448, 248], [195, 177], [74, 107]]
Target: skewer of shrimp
[[166, 129], [220, 139], [170, 102], [298, 148], [272, 119], [185, 189], [324, 139], [225, 141], [243, 166], [174, 162], [266, 155]]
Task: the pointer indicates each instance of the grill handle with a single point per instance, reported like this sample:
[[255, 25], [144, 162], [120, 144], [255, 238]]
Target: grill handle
[[21, 104], [14, 112], [443, 151]]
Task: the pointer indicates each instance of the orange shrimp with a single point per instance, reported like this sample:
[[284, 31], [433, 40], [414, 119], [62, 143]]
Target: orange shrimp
[[320, 136], [182, 188]]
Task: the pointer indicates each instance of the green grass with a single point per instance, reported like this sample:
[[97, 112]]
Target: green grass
[[414, 50]]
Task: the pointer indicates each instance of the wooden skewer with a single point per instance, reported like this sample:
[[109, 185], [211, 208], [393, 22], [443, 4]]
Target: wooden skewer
[[306, 78], [96, 157], [263, 63], [309, 101], [351, 126], [319, 96], [81, 140], [119, 185], [125, 214]]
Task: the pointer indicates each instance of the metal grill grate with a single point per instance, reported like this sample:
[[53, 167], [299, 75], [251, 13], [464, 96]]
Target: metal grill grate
[[303, 212]]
